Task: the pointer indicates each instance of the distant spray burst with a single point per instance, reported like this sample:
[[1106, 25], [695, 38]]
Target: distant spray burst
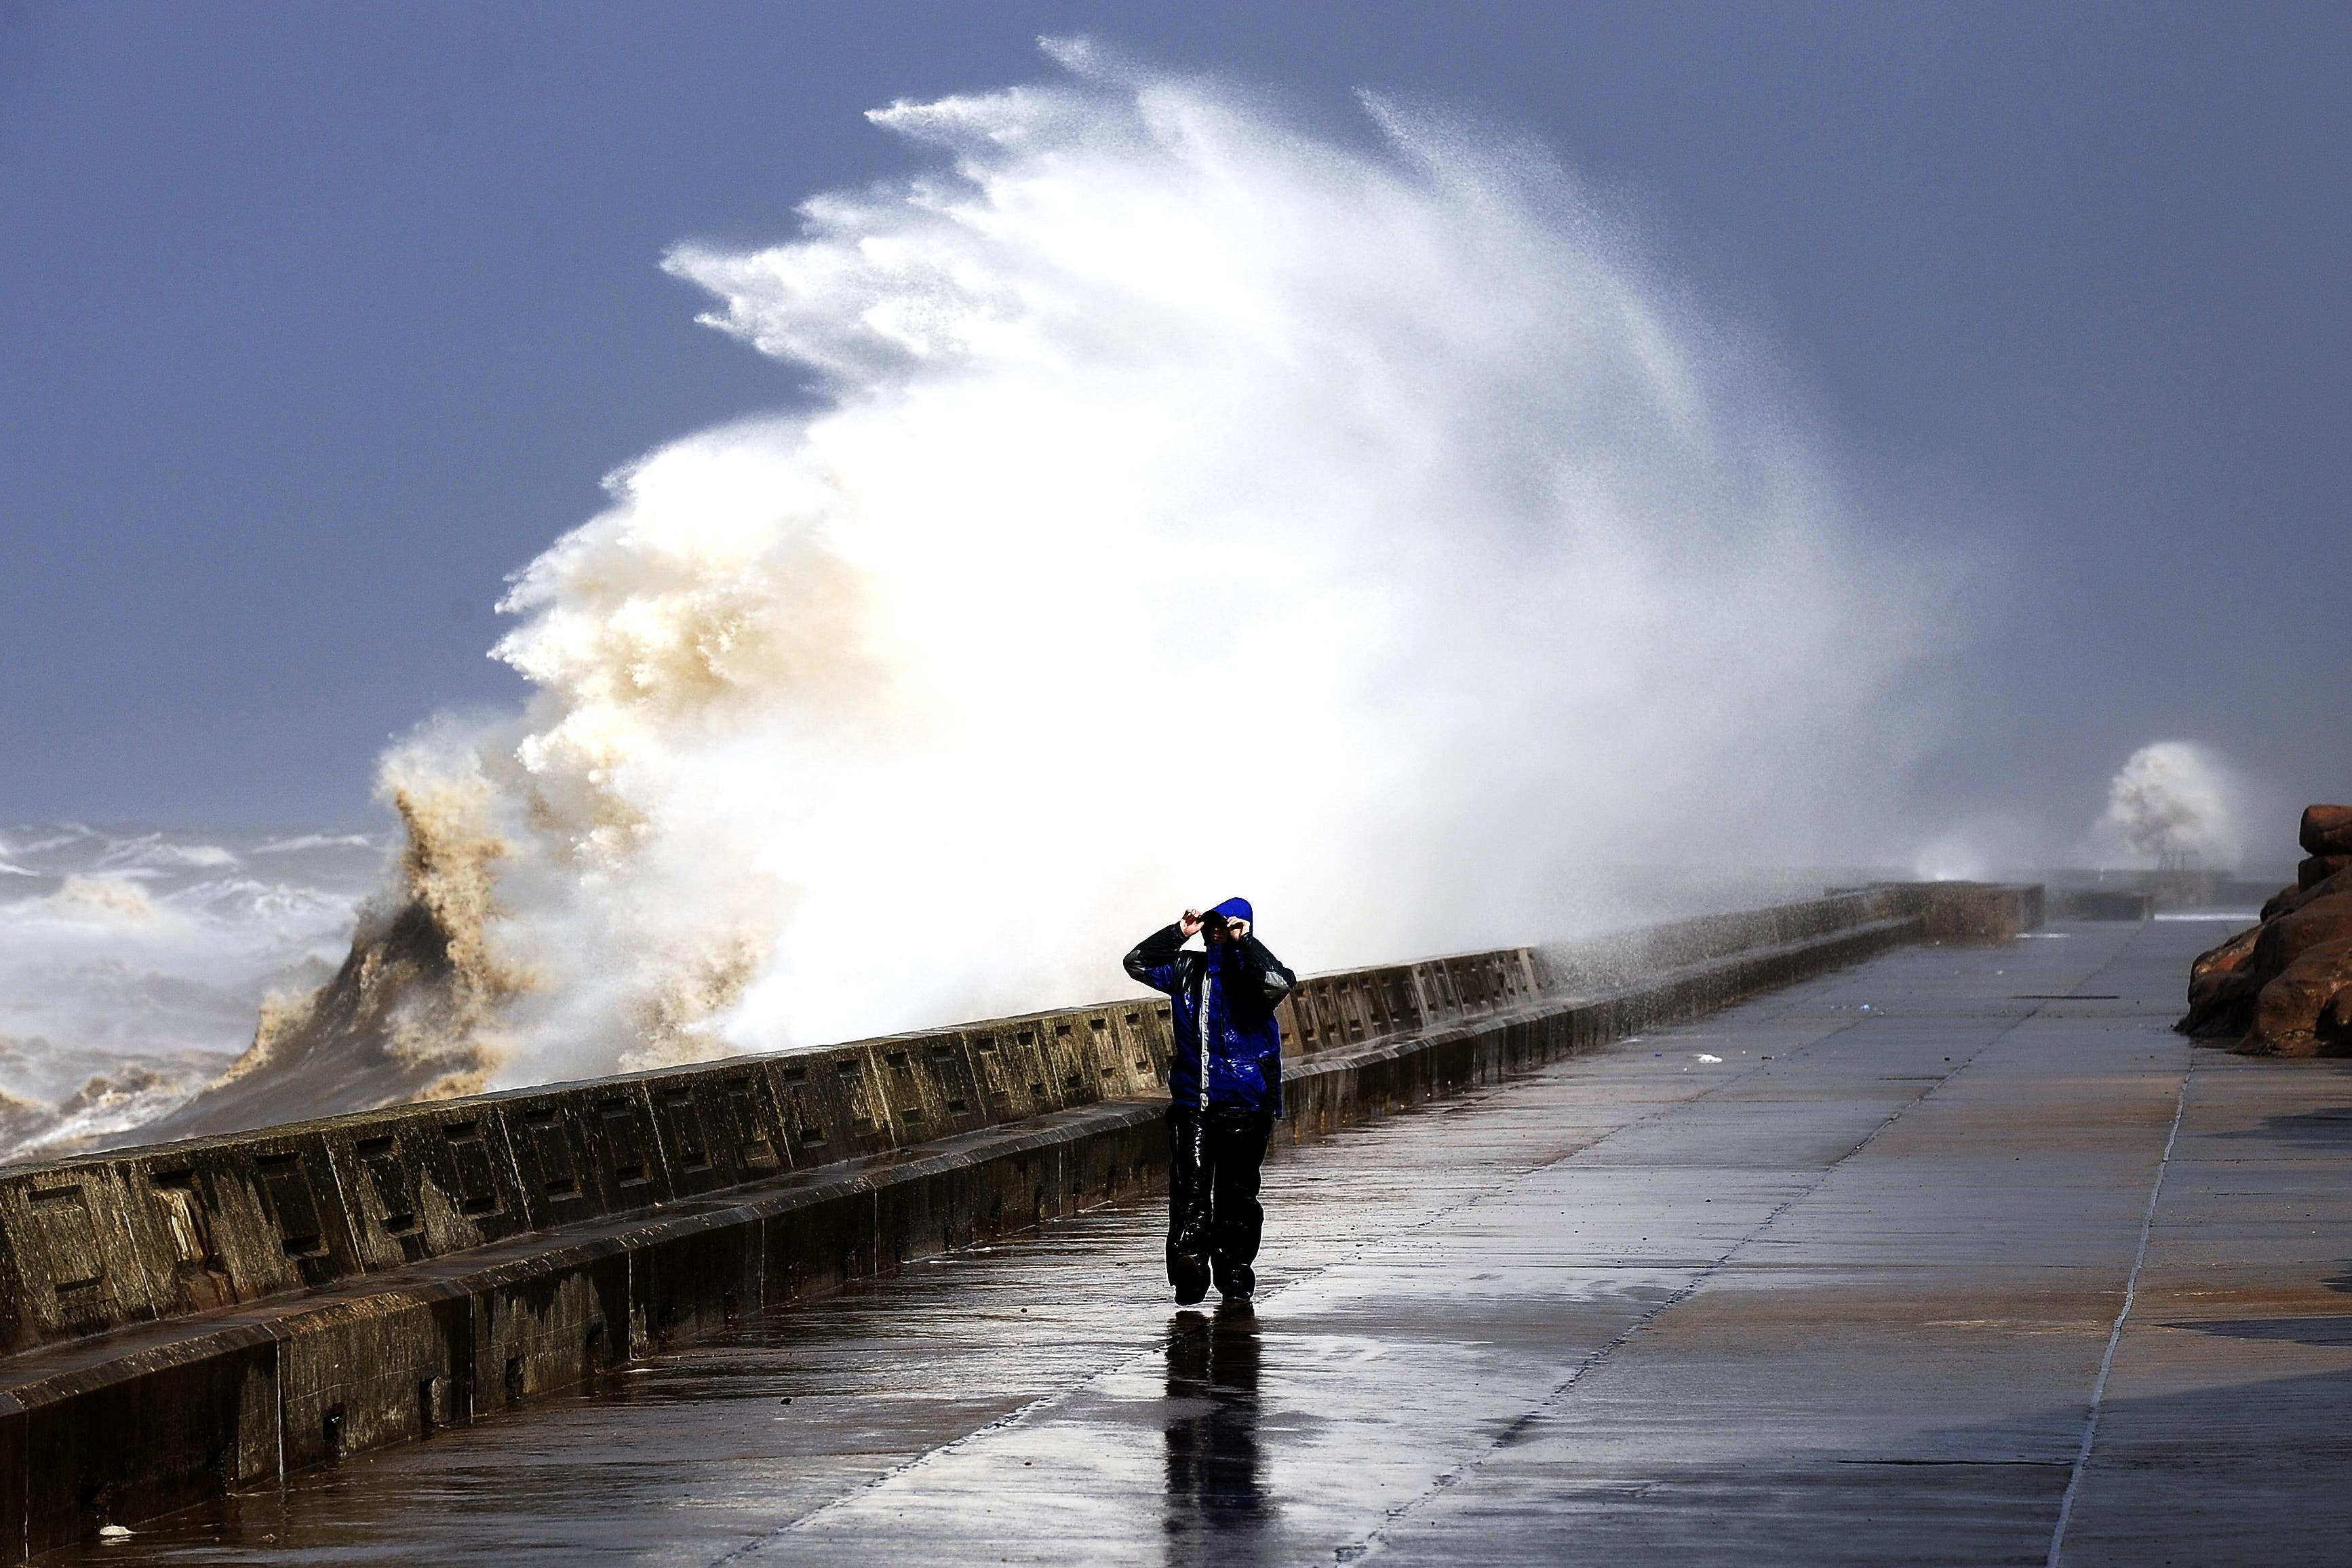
[[2172, 803]]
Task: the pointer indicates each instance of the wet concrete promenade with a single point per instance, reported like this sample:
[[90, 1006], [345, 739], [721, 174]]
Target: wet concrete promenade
[[1849, 1294]]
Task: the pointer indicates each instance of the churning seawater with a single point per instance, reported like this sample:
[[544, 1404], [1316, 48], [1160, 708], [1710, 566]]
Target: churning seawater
[[133, 963]]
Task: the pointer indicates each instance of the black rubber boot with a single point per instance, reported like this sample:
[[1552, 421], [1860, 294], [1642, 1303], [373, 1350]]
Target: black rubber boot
[[1190, 1275]]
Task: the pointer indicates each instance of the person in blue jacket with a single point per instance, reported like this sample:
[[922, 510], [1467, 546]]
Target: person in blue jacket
[[1224, 1083]]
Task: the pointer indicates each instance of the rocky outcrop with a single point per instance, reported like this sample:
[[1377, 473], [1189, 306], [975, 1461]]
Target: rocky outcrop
[[2327, 830], [2318, 868], [2285, 987]]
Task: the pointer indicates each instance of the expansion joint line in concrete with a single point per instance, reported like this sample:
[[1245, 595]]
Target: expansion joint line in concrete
[[2115, 1334], [1378, 1541]]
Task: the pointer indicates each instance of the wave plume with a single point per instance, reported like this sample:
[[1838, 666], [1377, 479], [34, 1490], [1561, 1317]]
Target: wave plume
[[1187, 503]]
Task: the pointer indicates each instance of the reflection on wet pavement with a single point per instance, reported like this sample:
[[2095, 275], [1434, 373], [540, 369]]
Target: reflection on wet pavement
[[1838, 1297], [1217, 1503]]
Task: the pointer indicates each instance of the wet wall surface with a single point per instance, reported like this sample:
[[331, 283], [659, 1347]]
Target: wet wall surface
[[1844, 1295]]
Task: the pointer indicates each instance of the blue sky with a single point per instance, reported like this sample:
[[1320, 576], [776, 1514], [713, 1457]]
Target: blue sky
[[315, 322]]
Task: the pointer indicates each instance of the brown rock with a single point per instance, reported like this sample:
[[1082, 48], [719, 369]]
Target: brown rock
[[2322, 915], [2285, 987], [2286, 901], [2327, 830], [2226, 958], [2221, 1013], [2335, 1026], [2318, 868], [2288, 1012], [2221, 990]]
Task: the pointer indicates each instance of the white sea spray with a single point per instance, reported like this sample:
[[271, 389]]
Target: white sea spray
[[1193, 505], [2174, 803]]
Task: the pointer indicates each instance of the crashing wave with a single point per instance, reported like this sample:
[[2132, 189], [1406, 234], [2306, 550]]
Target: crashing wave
[[1192, 503]]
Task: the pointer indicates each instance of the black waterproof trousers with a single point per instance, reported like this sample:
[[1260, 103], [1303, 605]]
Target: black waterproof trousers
[[1213, 1209]]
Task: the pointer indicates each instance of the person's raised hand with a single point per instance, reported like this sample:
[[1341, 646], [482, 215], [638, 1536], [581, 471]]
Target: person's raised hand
[[1190, 923], [1237, 929]]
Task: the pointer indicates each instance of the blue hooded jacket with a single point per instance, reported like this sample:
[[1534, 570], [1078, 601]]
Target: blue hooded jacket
[[1228, 1052]]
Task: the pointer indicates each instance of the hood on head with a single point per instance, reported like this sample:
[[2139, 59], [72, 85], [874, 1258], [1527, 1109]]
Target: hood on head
[[1235, 909]]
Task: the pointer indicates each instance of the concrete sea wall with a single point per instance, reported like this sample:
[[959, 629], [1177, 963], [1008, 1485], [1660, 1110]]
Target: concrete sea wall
[[197, 1317]]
